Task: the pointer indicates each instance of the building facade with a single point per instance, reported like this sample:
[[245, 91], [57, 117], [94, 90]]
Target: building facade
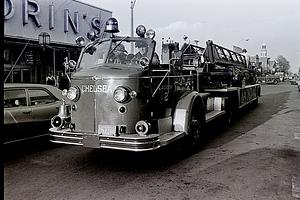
[[39, 35]]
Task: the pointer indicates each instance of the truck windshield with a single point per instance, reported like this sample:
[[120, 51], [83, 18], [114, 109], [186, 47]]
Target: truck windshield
[[116, 51]]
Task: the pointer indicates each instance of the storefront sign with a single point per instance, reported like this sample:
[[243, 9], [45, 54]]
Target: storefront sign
[[63, 20]]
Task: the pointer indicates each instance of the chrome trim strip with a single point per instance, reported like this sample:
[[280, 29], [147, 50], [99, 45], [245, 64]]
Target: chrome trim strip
[[131, 149], [127, 142], [78, 144], [67, 137]]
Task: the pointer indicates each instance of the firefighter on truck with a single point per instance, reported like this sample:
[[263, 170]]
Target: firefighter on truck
[[123, 96]]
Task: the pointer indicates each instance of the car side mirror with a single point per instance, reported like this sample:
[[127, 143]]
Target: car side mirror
[[72, 65], [144, 62]]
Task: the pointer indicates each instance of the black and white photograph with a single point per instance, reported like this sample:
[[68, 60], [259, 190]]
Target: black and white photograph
[[151, 100]]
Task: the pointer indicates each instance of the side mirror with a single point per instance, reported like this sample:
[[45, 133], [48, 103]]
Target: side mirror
[[144, 62], [72, 65]]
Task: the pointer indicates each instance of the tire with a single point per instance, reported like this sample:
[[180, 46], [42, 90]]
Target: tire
[[230, 108], [275, 82], [229, 117], [255, 102], [196, 125]]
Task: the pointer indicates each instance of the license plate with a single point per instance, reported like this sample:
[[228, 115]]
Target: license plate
[[107, 130]]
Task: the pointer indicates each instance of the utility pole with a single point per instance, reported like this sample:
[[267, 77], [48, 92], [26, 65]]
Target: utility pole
[[132, 7]]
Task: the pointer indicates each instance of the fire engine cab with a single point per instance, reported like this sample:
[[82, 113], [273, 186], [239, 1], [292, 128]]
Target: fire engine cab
[[124, 97]]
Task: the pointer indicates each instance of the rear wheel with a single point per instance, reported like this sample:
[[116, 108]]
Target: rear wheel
[[194, 131], [255, 102], [196, 125], [229, 117]]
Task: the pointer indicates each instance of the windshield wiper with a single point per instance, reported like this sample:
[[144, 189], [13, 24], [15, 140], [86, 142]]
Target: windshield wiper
[[90, 47]]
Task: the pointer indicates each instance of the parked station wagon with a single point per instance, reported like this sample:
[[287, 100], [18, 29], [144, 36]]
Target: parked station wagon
[[28, 109]]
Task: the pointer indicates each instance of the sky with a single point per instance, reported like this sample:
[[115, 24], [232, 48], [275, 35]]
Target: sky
[[244, 23]]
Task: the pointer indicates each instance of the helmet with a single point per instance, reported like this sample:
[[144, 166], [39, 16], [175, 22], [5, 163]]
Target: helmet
[[121, 47], [111, 26], [140, 44]]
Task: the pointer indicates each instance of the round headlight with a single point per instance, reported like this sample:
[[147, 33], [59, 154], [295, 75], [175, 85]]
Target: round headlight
[[142, 127], [73, 94], [140, 30], [56, 121], [121, 94], [150, 34]]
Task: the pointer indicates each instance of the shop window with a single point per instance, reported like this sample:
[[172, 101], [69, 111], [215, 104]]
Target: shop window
[[40, 97], [14, 98], [17, 78], [26, 74], [29, 58]]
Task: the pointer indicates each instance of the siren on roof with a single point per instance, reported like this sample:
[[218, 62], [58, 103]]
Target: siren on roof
[[112, 26]]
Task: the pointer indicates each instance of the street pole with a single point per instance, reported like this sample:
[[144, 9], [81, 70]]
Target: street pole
[[132, 7]]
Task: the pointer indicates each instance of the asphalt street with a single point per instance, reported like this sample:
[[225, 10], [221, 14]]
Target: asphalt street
[[257, 157]]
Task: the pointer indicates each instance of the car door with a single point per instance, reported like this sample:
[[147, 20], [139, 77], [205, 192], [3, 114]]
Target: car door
[[17, 114], [44, 106]]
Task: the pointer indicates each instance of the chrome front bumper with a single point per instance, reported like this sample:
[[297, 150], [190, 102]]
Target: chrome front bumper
[[132, 142]]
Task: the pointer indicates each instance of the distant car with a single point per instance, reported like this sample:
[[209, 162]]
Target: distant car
[[269, 79], [28, 109], [281, 76], [293, 81]]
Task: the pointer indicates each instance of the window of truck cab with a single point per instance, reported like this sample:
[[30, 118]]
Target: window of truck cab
[[106, 51]]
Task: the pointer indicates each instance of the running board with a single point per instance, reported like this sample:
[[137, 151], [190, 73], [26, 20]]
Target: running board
[[170, 137], [213, 115]]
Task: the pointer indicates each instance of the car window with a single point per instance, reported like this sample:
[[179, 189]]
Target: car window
[[40, 97], [14, 98]]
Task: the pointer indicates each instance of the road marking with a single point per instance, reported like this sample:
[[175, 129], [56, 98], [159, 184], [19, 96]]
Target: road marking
[[297, 136], [296, 187]]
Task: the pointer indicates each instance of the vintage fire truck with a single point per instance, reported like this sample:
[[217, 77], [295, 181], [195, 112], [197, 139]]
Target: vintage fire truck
[[124, 97]]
